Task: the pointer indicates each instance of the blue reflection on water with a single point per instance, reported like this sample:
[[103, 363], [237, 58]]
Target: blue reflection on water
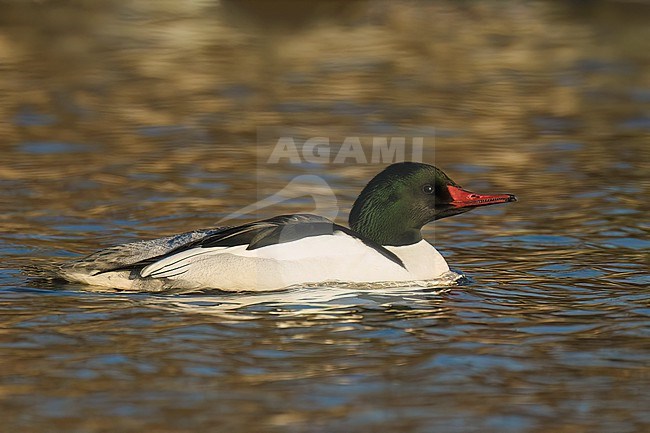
[[55, 147]]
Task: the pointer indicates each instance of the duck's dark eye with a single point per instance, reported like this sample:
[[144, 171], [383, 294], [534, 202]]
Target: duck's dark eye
[[428, 189]]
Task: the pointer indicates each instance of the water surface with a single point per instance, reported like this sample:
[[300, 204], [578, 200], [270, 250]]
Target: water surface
[[131, 120]]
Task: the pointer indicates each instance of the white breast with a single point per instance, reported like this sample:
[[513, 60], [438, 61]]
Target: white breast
[[422, 260]]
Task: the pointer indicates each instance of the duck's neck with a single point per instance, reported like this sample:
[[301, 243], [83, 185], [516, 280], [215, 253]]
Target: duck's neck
[[385, 224]]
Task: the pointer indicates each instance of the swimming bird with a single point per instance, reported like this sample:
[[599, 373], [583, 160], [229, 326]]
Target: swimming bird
[[382, 243]]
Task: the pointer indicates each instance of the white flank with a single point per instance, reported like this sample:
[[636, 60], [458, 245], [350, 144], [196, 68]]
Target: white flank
[[315, 259]]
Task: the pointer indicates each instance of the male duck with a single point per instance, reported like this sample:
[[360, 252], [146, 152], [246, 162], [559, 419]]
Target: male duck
[[383, 243]]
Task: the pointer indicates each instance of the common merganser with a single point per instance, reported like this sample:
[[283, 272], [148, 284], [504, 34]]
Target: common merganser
[[384, 243]]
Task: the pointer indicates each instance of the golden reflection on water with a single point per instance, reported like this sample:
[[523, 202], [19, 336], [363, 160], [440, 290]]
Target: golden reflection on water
[[129, 120], [177, 90]]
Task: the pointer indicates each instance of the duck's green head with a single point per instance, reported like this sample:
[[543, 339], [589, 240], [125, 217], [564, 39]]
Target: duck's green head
[[397, 202]]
